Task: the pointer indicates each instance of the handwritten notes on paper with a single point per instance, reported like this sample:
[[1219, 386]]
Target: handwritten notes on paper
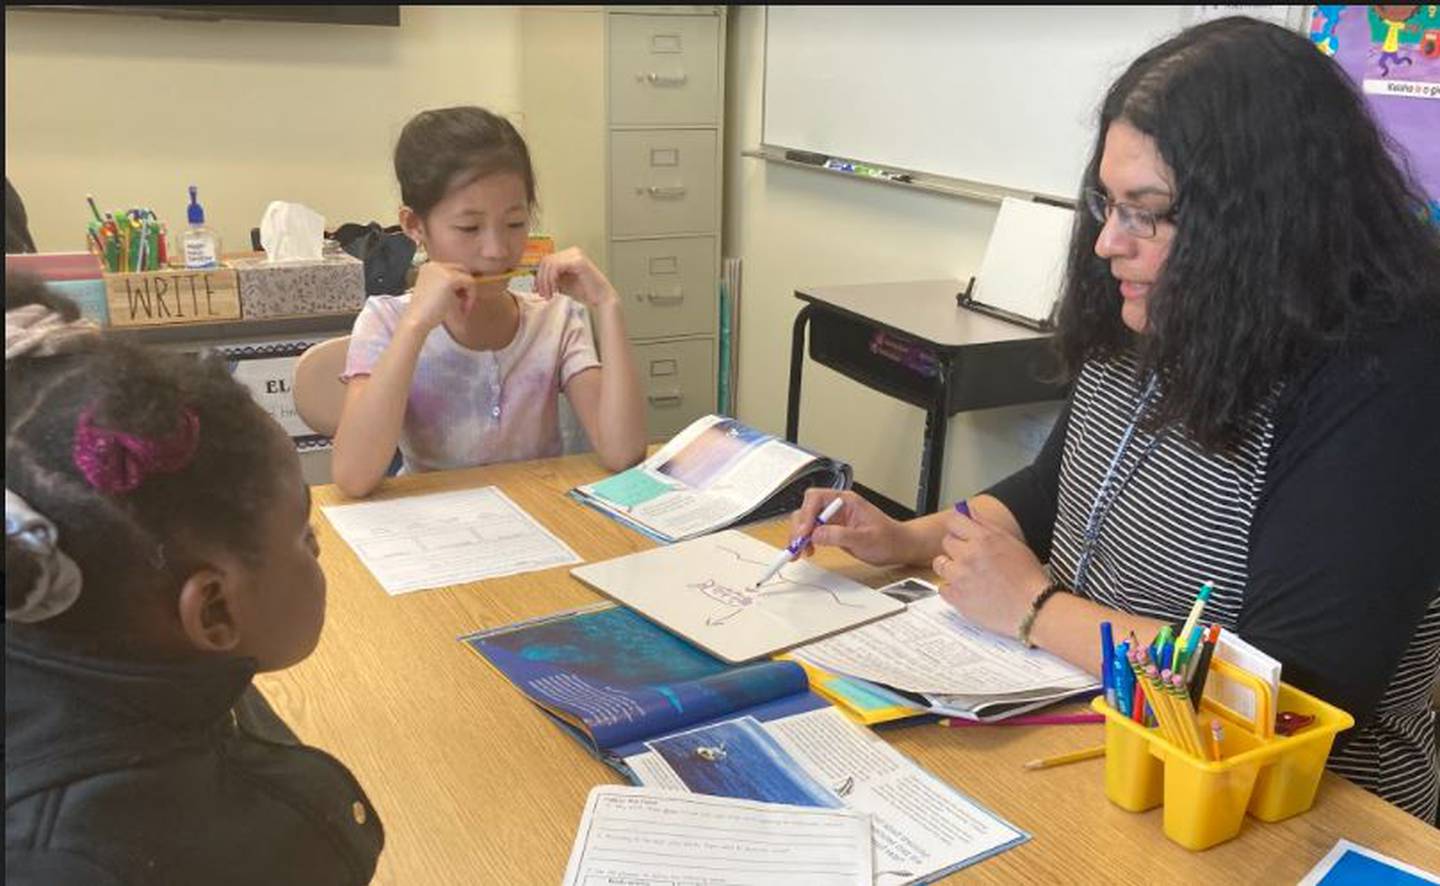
[[704, 590], [447, 538]]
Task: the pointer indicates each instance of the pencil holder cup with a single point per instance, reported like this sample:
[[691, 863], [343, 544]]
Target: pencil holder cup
[[1134, 780], [1269, 776]]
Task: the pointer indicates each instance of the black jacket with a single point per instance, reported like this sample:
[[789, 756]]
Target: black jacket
[[141, 774]]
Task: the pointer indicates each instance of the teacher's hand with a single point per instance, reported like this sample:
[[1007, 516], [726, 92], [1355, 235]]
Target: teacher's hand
[[859, 528], [989, 576]]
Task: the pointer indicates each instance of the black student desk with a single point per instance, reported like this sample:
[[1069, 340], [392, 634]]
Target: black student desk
[[980, 362]]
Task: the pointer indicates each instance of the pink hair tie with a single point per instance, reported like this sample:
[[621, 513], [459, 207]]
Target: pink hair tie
[[116, 463]]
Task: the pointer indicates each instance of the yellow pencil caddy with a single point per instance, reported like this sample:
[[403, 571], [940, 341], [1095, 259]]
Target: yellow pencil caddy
[[1270, 776]]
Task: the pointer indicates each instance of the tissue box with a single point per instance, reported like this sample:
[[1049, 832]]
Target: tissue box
[[330, 285], [172, 296]]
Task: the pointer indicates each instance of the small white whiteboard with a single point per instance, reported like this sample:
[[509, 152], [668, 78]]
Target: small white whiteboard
[[702, 589], [1024, 261]]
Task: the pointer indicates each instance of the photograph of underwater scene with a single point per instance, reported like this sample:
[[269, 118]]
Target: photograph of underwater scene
[[625, 677], [612, 646], [737, 758]]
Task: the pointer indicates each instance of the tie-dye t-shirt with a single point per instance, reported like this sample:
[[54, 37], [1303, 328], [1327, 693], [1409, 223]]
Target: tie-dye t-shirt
[[469, 407]]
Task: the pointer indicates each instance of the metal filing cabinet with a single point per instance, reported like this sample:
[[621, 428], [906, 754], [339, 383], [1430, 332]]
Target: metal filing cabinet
[[650, 127], [665, 104]]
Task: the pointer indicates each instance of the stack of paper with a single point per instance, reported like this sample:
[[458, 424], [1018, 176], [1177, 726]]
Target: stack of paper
[[961, 669]]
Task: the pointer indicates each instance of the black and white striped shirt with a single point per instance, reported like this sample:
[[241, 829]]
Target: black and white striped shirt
[[1320, 534]]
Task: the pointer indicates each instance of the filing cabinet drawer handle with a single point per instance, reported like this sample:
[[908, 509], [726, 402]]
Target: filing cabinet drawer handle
[[674, 193], [665, 399], [675, 298], [655, 79]]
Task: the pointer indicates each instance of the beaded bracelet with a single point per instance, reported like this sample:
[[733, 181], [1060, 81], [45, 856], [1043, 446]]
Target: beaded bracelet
[[1028, 622]]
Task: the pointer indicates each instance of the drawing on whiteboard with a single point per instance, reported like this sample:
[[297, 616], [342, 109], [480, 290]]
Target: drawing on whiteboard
[[735, 601]]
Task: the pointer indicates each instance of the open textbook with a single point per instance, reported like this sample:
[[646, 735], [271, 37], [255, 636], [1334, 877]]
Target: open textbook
[[667, 715], [714, 474], [948, 665]]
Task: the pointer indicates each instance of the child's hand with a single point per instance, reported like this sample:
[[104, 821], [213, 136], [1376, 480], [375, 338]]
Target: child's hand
[[571, 272], [439, 287]]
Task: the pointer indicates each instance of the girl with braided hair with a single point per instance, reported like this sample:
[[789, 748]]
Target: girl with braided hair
[[158, 555]]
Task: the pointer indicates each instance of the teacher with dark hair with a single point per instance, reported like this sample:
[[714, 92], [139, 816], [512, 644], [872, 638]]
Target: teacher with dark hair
[[1251, 317]]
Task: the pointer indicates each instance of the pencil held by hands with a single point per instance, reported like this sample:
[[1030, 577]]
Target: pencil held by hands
[[496, 278]]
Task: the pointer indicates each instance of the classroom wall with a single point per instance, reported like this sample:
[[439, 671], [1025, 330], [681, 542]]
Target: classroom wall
[[562, 59], [794, 228], [135, 108]]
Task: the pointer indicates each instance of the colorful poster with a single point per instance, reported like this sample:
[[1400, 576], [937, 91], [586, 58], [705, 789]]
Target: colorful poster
[[1393, 53]]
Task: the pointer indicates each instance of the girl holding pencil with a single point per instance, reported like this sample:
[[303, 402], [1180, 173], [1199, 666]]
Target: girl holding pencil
[[1252, 320], [463, 370]]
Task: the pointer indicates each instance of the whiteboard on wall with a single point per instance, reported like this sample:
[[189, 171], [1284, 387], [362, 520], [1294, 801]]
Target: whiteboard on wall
[[1005, 96]]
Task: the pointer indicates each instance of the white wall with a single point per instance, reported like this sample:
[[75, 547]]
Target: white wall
[[793, 228], [135, 108]]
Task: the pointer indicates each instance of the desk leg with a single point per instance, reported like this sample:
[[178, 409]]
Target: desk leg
[[932, 453], [797, 364]]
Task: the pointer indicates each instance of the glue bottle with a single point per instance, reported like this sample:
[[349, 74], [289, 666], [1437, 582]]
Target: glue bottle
[[200, 245]]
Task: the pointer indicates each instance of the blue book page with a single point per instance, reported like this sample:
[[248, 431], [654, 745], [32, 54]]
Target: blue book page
[[621, 678]]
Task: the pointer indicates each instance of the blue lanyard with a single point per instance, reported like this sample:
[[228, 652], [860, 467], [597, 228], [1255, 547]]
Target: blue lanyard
[[1112, 483]]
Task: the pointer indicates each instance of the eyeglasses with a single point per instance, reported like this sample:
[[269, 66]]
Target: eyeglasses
[[1135, 221]]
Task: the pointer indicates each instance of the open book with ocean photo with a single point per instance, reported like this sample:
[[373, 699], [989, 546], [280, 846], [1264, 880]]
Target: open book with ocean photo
[[715, 474], [667, 715]]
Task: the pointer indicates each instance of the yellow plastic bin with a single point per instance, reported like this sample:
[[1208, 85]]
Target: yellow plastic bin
[[1270, 776]]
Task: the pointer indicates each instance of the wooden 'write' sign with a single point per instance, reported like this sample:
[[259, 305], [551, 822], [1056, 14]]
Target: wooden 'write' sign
[[181, 295]]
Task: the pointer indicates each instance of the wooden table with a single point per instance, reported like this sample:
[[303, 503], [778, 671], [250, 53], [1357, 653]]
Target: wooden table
[[475, 785]]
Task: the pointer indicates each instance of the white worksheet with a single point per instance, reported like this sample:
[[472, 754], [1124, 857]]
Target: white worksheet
[[446, 538], [922, 828], [931, 648], [649, 837], [704, 590]]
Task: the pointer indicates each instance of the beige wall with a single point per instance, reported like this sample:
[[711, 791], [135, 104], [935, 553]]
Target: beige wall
[[562, 60], [135, 108], [793, 228]]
